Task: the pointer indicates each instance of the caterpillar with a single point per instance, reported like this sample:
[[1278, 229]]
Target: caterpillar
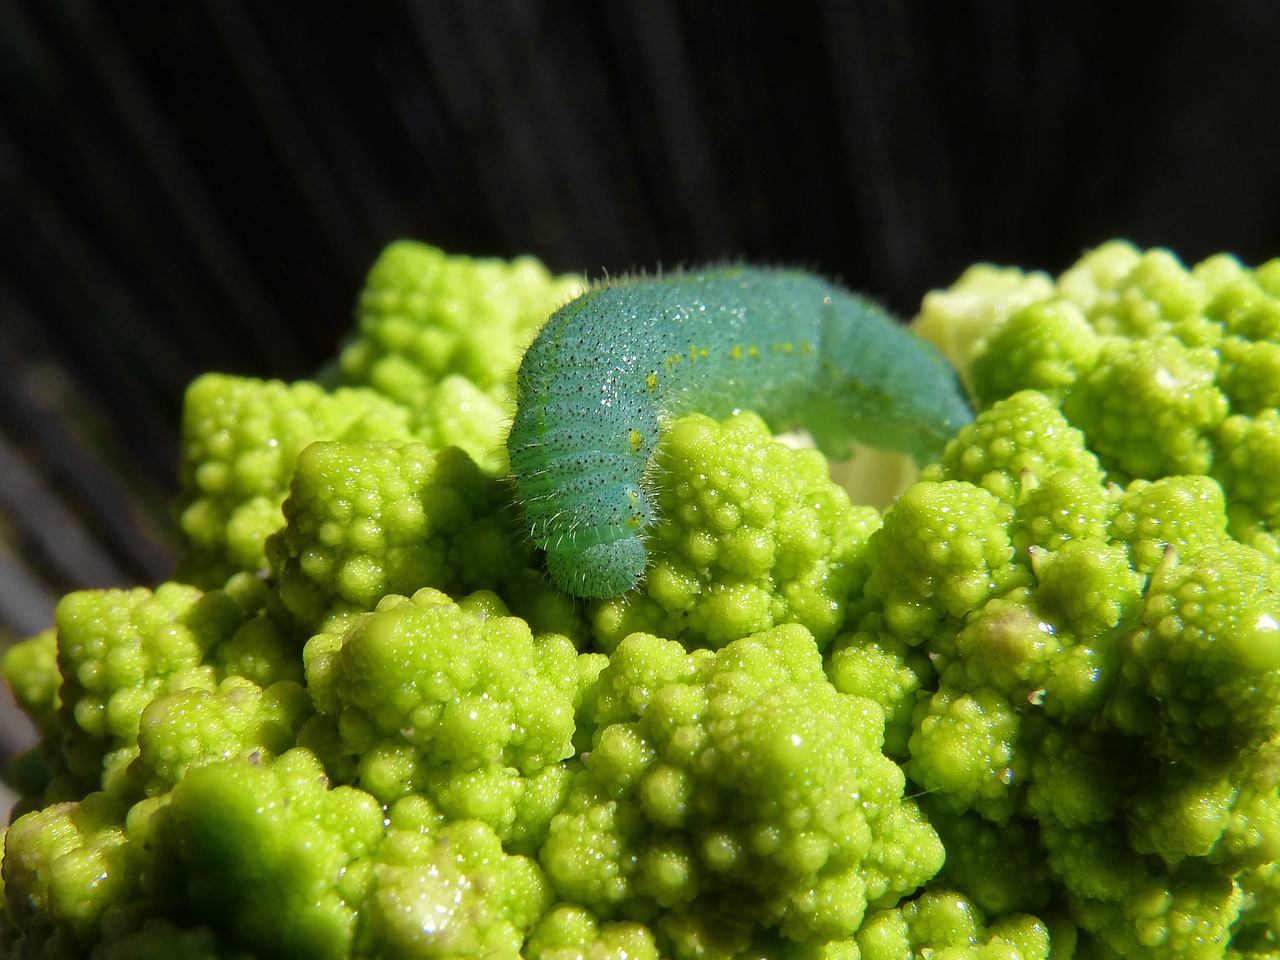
[[609, 368]]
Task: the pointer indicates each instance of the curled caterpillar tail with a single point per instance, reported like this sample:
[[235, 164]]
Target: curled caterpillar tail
[[611, 366]]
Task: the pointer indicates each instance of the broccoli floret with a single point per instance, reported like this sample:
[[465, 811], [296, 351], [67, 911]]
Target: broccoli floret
[[425, 314], [265, 853], [944, 924], [730, 555], [885, 669], [65, 867], [443, 336], [117, 651], [446, 890], [1247, 465], [162, 940], [31, 667], [943, 550], [960, 319], [737, 777], [238, 719], [457, 701], [240, 441], [1044, 347], [1201, 667], [573, 933], [367, 520], [1001, 866], [1149, 407]]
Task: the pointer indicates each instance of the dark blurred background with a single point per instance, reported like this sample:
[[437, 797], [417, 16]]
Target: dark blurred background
[[203, 185]]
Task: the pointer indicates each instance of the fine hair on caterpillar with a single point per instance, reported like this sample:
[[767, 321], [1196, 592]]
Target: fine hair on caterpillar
[[611, 367]]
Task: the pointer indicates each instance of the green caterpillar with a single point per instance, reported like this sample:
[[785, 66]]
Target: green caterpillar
[[613, 365]]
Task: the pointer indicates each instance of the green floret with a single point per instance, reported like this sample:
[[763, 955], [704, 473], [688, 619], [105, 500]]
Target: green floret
[[944, 549], [1255, 932], [1249, 471], [1202, 665], [457, 413], [367, 520], [741, 777], [1230, 816], [1182, 513], [66, 868], [424, 314], [117, 651], [460, 702], [965, 748], [1135, 907], [31, 668], [447, 891], [945, 925], [443, 335], [238, 719], [960, 319], [163, 940], [751, 534], [1017, 442], [570, 932], [1043, 347], [240, 441], [1150, 407], [885, 669], [1250, 374], [265, 854], [1000, 866]]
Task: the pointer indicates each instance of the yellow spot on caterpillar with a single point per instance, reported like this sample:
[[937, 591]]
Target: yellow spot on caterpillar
[[753, 351], [702, 353], [637, 441], [651, 381], [736, 352], [806, 347], [788, 347]]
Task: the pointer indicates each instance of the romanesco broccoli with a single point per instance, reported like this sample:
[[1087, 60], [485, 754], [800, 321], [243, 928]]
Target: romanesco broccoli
[[1032, 706]]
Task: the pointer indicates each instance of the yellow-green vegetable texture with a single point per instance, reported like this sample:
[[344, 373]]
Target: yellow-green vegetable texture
[[1027, 708]]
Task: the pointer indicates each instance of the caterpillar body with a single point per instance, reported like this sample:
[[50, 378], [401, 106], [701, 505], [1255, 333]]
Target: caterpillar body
[[609, 368]]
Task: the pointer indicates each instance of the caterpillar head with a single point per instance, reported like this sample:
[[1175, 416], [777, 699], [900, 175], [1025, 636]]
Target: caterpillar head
[[601, 570]]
